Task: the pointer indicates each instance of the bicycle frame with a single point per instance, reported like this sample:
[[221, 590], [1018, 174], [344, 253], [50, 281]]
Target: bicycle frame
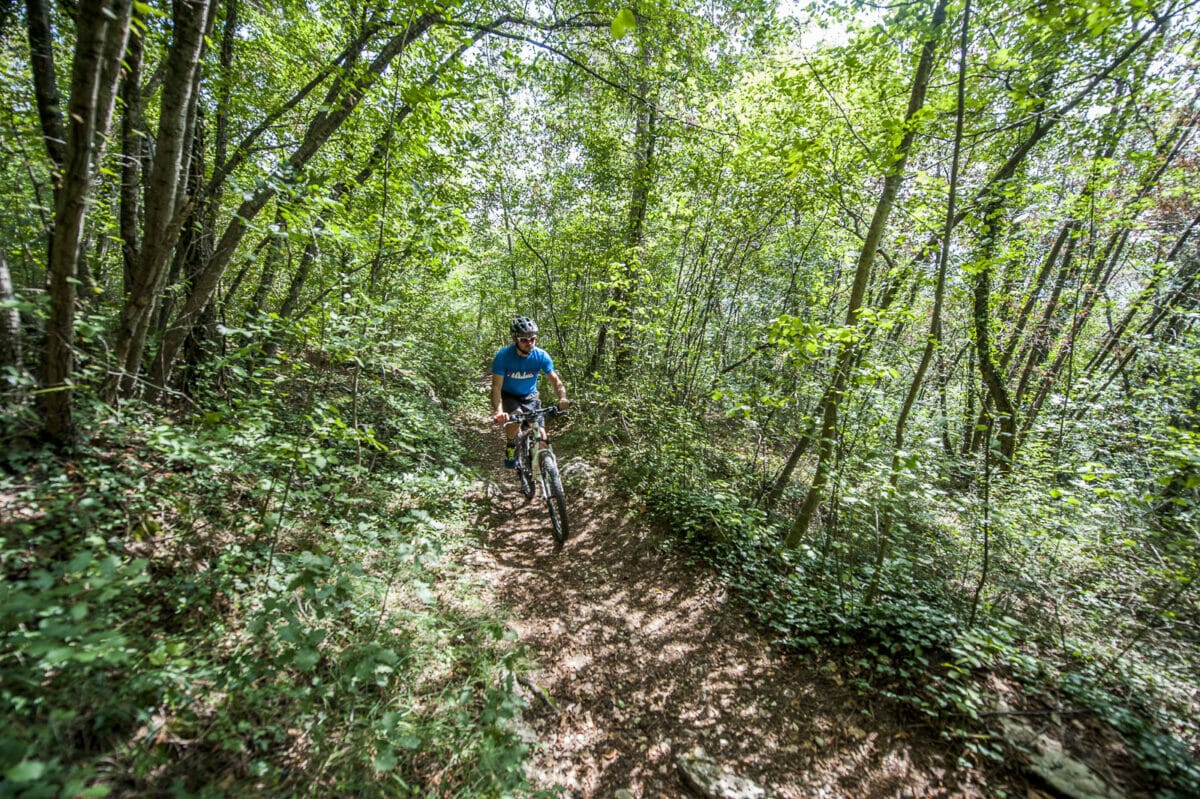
[[536, 466]]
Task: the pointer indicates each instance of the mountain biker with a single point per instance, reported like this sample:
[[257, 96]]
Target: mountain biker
[[515, 371]]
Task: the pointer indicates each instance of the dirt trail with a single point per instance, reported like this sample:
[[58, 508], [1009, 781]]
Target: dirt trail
[[644, 656]]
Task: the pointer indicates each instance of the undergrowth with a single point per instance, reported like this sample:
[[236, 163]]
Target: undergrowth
[[250, 598], [914, 642]]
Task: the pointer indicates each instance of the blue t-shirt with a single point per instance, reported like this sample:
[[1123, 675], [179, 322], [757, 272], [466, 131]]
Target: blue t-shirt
[[521, 374]]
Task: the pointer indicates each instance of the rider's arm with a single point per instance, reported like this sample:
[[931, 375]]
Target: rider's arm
[[497, 401], [559, 389]]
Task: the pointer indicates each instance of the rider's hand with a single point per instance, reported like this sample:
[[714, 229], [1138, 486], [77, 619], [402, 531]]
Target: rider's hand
[[501, 417], [564, 403]]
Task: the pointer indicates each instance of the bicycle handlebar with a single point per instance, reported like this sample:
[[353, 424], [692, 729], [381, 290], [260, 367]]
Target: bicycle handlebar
[[528, 416]]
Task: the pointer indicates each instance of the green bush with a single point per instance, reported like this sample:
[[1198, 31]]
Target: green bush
[[245, 602]]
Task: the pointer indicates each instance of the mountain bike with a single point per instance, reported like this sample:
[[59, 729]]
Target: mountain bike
[[537, 466]]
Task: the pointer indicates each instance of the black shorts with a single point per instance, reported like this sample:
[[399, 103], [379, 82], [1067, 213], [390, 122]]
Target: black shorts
[[526, 403]]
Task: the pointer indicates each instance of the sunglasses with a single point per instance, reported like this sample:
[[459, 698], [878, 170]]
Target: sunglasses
[[526, 340]]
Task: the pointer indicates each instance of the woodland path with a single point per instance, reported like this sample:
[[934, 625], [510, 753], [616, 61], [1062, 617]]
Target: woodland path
[[645, 656]]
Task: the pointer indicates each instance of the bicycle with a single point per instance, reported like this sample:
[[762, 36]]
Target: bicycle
[[537, 466]]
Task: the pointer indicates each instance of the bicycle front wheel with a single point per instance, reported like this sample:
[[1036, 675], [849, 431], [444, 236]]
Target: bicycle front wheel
[[556, 500]]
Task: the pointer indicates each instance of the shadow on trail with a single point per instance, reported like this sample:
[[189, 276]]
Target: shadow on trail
[[641, 658]]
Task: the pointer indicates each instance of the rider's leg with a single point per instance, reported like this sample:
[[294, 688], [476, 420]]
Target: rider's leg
[[510, 436], [510, 445]]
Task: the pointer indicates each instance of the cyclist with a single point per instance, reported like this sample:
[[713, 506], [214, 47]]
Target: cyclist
[[515, 371]]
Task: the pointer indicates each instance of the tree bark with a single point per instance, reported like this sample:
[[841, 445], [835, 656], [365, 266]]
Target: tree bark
[[45, 85], [133, 147], [97, 22], [163, 218], [11, 349]]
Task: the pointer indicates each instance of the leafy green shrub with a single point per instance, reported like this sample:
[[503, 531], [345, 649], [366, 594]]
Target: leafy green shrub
[[247, 603]]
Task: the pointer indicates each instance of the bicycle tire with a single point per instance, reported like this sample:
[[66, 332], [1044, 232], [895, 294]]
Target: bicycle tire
[[525, 467], [556, 500]]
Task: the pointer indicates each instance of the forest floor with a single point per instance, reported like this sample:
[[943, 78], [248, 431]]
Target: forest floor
[[640, 656]]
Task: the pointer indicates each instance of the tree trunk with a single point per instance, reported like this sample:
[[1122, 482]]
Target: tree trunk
[[133, 148], [619, 316], [933, 341], [97, 23], [775, 492], [266, 281], [645, 140], [1182, 297], [883, 209], [1035, 291], [1113, 338], [163, 217], [989, 371], [45, 85], [11, 350], [1097, 280]]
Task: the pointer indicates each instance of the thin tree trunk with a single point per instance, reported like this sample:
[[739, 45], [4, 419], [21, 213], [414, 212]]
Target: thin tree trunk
[[299, 278], [933, 341], [133, 147], [191, 253], [775, 492], [337, 194], [1037, 346], [989, 371], [1098, 279], [11, 349], [645, 138], [266, 281], [968, 417], [45, 85], [883, 209], [621, 297], [1182, 296], [1035, 291]]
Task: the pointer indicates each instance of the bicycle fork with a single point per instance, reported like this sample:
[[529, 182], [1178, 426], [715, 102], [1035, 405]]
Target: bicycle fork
[[539, 452]]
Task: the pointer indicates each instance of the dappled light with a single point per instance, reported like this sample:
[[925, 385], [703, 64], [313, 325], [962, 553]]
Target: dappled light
[[867, 336], [642, 657]]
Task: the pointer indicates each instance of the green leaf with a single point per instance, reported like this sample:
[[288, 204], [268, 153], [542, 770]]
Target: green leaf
[[623, 22], [26, 771], [306, 659], [386, 759]]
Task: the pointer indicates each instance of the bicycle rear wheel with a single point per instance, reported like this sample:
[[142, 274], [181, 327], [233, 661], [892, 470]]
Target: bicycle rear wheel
[[556, 500], [525, 466]]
